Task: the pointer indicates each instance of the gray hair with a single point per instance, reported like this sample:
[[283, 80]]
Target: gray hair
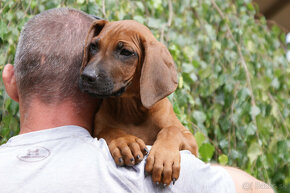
[[49, 54]]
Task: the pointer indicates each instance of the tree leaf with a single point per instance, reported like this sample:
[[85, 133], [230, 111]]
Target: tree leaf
[[254, 151], [206, 151], [223, 159], [199, 137]]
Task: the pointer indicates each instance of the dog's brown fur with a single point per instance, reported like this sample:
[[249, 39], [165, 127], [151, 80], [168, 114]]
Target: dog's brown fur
[[142, 114]]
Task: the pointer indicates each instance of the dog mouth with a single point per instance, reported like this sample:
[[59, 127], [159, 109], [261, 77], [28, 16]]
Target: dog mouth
[[104, 94], [103, 91]]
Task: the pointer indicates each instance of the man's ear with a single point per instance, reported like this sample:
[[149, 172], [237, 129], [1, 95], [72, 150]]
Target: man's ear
[[9, 81], [94, 30], [158, 74]]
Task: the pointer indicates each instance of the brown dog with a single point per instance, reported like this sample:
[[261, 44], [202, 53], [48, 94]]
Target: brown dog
[[126, 64]]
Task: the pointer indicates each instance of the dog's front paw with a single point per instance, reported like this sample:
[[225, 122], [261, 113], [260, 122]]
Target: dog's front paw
[[163, 163], [127, 150]]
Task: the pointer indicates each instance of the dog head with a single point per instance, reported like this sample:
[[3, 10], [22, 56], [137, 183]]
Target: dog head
[[123, 58]]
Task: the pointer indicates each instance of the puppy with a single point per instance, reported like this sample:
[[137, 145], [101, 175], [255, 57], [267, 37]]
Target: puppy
[[133, 73]]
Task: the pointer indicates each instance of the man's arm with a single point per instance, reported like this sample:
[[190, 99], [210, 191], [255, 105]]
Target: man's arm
[[246, 183]]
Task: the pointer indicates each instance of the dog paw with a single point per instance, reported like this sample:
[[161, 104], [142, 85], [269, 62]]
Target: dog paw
[[128, 150], [163, 164]]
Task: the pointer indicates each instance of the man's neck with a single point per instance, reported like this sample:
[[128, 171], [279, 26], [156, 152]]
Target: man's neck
[[39, 116]]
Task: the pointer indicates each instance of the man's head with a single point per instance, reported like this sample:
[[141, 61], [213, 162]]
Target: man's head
[[45, 77], [49, 54]]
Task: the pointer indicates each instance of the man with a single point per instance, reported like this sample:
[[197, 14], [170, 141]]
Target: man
[[54, 151]]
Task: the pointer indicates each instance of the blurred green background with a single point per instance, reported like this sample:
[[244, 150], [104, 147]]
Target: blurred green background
[[233, 91]]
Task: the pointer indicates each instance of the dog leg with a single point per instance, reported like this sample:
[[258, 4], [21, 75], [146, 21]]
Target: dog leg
[[163, 161]]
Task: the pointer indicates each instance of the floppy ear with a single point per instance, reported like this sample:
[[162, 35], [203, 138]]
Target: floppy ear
[[94, 30], [158, 74]]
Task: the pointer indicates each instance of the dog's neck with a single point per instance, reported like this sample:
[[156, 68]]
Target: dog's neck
[[136, 113]]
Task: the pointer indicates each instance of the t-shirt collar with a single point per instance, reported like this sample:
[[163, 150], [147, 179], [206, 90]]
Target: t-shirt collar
[[48, 134]]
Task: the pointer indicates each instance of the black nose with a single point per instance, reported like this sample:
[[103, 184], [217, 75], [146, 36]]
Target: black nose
[[89, 76]]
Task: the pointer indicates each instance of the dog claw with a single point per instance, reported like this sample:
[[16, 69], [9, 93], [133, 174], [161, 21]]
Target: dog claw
[[132, 160], [138, 157], [173, 181], [147, 151], [121, 161]]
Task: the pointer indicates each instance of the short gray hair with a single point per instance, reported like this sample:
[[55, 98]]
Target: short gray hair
[[49, 54]]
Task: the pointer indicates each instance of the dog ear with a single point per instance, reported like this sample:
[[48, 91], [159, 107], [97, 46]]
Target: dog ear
[[94, 30], [158, 75]]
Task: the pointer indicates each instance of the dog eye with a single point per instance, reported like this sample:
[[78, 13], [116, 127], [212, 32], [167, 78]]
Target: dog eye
[[126, 52], [93, 48]]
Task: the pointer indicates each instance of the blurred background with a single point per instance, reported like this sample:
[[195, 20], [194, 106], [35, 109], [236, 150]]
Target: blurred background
[[276, 11], [233, 91]]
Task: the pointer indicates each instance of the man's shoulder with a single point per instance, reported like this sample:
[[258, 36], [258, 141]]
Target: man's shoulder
[[66, 140]]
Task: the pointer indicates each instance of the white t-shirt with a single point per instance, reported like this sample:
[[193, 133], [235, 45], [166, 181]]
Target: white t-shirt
[[68, 160]]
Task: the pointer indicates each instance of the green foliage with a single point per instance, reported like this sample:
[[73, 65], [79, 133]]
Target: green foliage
[[233, 75]]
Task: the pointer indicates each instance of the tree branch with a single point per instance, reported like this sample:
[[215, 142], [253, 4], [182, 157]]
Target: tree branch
[[170, 13], [104, 8], [243, 62], [169, 22]]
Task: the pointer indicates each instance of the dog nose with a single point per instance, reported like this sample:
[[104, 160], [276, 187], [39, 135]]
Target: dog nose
[[89, 76]]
